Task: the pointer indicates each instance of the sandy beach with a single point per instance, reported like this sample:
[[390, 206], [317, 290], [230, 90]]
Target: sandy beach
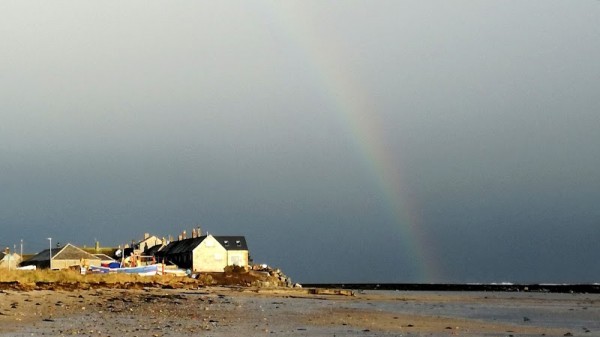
[[220, 311]]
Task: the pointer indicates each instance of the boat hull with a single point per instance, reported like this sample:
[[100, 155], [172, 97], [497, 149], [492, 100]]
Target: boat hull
[[142, 270]]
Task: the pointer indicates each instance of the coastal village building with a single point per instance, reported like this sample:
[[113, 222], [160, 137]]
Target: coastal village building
[[62, 258], [153, 251], [148, 242], [141, 247], [9, 260], [206, 253]]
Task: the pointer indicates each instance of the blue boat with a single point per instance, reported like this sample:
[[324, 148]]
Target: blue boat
[[142, 270]]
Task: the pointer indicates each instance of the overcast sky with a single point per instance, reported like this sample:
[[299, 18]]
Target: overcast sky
[[349, 141]]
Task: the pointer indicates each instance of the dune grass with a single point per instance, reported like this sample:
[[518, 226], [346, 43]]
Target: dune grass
[[75, 277]]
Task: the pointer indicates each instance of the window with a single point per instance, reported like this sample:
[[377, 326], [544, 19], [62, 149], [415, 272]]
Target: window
[[238, 243], [226, 243]]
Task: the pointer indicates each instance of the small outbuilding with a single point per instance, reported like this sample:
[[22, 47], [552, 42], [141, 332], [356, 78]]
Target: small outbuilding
[[9, 260], [62, 258]]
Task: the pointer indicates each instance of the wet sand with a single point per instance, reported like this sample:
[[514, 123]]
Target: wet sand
[[217, 311]]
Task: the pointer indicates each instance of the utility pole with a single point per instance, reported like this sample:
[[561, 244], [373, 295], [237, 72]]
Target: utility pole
[[21, 248], [50, 260]]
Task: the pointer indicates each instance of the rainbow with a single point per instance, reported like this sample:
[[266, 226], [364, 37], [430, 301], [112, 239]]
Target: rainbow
[[356, 111]]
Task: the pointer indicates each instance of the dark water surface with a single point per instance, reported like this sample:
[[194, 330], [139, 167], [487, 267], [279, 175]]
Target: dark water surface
[[537, 287], [577, 313]]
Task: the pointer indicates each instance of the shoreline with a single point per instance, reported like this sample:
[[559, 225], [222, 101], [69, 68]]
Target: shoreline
[[227, 311], [580, 288]]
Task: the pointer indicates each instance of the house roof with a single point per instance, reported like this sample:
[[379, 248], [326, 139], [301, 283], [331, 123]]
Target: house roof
[[104, 257], [154, 249], [182, 246], [67, 252], [232, 242], [42, 256], [188, 245]]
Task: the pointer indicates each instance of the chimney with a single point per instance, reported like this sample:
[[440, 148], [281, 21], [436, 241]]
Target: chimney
[[180, 237], [194, 234], [199, 231], [6, 250], [146, 236], [184, 235], [97, 246]]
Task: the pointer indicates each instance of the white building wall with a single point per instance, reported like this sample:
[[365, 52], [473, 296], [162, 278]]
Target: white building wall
[[209, 256]]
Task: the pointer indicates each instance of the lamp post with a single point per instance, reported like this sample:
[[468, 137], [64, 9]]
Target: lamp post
[[50, 260]]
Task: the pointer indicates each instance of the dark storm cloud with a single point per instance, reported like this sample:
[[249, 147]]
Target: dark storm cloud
[[154, 117]]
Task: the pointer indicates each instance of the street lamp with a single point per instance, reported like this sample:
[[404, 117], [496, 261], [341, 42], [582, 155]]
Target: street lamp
[[50, 260]]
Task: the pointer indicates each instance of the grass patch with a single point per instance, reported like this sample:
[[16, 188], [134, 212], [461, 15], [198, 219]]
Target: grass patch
[[71, 279]]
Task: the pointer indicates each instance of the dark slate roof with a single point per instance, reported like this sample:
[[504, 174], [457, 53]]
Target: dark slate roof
[[232, 242], [188, 245], [182, 246], [42, 256], [154, 249]]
